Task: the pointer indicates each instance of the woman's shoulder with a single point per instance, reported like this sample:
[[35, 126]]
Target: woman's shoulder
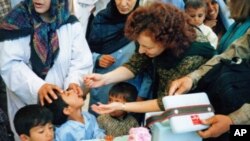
[[70, 30], [76, 25], [14, 36], [248, 32], [194, 59], [19, 41], [242, 43]]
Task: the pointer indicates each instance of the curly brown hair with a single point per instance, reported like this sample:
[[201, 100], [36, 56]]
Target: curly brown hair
[[166, 24]]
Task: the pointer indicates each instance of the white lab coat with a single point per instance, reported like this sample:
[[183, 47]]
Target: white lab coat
[[73, 61], [82, 10]]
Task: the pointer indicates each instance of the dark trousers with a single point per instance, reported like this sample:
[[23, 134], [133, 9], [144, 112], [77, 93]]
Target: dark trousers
[[5, 127], [3, 96]]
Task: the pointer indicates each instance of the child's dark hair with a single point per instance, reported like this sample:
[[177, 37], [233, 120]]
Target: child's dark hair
[[127, 90], [56, 107], [195, 4], [30, 116]]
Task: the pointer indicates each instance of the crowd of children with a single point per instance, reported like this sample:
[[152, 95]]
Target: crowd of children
[[64, 120]]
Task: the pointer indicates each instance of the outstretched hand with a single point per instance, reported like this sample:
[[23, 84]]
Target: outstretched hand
[[93, 80], [219, 124], [106, 108]]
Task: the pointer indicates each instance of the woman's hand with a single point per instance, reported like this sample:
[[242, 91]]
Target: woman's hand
[[94, 80], [106, 61], [107, 108], [76, 88], [47, 91], [180, 86], [219, 124]]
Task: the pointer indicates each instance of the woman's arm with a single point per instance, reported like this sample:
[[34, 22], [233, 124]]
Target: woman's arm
[[186, 83], [96, 80], [137, 107], [118, 75], [15, 70], [242, 115], [239, 48]]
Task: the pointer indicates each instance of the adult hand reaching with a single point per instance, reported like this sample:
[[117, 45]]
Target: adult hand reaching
[[107, 108], [94, 80], [180, 86], [219, 124], [47, 91]]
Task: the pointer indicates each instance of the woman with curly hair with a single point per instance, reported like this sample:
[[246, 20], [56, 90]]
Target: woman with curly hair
[[111, 48], [173, 45]]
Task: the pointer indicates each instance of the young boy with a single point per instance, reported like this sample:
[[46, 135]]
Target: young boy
[[71, 123], [118, 123], [196, 9], [34, 123]]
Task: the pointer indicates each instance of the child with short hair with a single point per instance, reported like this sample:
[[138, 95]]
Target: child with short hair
[[196, 9], [118, 123], [34, 123], [71, 123]]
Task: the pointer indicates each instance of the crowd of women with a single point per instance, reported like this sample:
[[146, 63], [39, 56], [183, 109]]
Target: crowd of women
[[44, 51]]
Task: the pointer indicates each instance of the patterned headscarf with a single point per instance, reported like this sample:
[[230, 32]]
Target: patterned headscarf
[[23, 20]]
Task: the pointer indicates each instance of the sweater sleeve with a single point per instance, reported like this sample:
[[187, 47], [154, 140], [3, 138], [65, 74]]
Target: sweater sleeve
[[239, 48], [242, 115]]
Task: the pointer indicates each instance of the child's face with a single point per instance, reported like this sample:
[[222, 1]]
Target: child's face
[[197, 15], [72, 99], [118, 98], [40, 133]]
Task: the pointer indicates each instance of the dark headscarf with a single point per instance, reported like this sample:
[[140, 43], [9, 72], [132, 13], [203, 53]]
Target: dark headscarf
[[23, 20], [106, 33]]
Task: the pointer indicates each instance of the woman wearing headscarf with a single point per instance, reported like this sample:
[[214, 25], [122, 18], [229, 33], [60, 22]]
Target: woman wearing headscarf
[[111, 48], [43, 52], [238, 12], [241, 14]]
